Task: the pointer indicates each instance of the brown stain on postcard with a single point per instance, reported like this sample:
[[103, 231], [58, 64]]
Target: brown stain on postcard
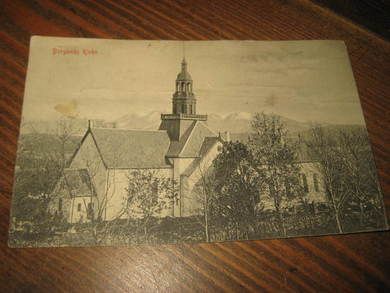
[[68, 109]]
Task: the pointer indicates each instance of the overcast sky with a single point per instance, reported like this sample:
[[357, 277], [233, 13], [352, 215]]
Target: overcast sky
[[302, 80]]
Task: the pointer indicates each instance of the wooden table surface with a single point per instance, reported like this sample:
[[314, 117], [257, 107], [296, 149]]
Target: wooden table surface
[[342, 263]]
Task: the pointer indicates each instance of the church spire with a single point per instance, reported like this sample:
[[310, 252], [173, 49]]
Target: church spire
[[183, 106], [184, 65], [184, 101]]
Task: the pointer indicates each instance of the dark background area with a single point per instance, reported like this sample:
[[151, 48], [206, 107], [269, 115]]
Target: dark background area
[[355, 262], [372, 14]]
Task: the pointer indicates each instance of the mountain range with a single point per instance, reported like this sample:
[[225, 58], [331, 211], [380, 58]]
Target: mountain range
[[237, 122]]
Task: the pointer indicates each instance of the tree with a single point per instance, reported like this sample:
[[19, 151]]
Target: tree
[[148, 194], [65, 130], [204, 191], [97, 223], [374, 186], [359, 171], [323, 148], [236, 189], [275, 159], [349, 172], [40, 162]]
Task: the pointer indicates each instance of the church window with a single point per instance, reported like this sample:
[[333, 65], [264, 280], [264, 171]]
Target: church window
[[60, 204], [258, 198], [315, 182], [304, 183], [287, 186], [79, 207], [183, 108], [90, 213], [155, 187]]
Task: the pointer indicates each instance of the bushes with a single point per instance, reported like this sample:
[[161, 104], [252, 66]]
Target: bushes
[[189, 229]]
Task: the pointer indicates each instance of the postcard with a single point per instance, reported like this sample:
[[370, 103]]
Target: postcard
[[145, 142]]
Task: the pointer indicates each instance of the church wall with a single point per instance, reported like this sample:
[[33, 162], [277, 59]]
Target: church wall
[[69, 205], [179, 166], [89, 158], [309, 169], [78, 212], [117, 184], [192, 186], [60, 193]]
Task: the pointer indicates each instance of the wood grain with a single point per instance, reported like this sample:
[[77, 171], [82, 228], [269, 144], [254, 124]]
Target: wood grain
[[356, 262]]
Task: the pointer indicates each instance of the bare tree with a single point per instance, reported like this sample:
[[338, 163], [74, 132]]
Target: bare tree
[[204, 191], [275, 158], [65, 130], [41, 160], [359, 171], [98, 224], [323, 148]]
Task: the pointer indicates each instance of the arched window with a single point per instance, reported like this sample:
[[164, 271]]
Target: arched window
[[315, 182], [183, 108], [60, 205], [79, 207], [287, 186], [304, 183], [155, 188], [90, 212]]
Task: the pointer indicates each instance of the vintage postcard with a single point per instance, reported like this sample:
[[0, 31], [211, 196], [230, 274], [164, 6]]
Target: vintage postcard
[[145, 142]]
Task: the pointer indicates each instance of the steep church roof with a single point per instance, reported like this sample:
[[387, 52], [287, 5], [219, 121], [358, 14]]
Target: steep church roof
[[195, 140], [79, 183], [176, 146], [191, 141], [127, 149], [206, 146]]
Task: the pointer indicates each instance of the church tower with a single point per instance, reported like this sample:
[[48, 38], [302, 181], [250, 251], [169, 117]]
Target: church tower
[[183, 107], [184, 101]]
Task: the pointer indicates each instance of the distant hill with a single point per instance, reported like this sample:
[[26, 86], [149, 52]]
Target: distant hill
[[150, 121], [51, 127], [39, 145], [305, 133], [237, 122], [334, 129]]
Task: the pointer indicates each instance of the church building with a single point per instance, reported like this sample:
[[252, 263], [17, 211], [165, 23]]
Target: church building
[[182, 149]]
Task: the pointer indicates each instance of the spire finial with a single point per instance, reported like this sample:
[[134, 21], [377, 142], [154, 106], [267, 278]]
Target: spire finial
[[184, 51], [184, 62]]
